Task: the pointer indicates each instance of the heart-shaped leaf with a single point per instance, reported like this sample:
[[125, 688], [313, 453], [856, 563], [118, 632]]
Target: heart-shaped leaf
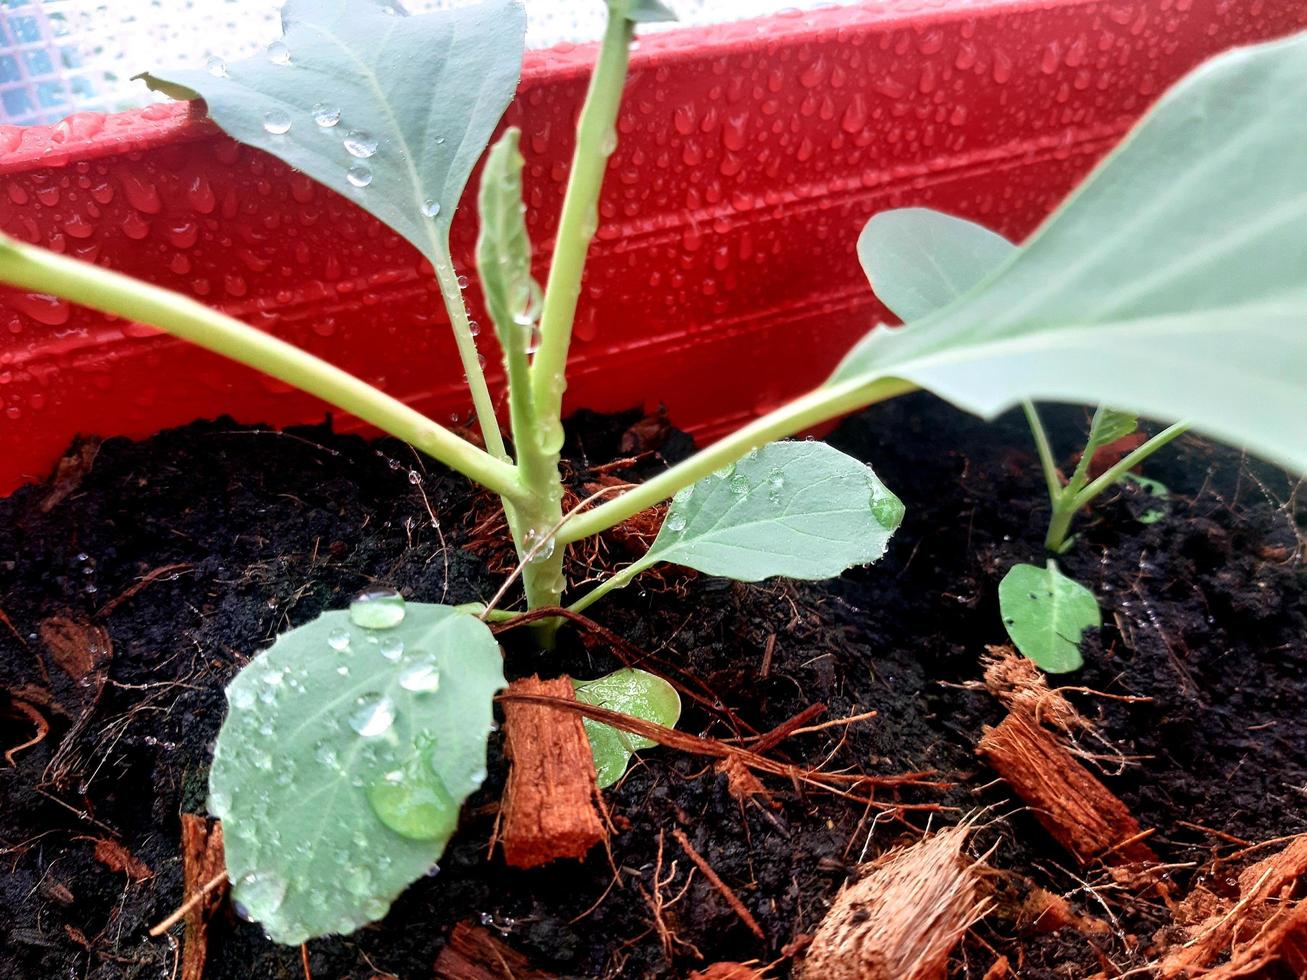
[[1046, 615], [347, 750], [632, 692], [799, 509], [389, 110], [1170, 283]]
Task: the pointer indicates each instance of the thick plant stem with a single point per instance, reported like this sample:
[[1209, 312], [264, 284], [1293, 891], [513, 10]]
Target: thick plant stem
[[452, 294], [819, 405], [1073, 498], [596, 138], [110, 292]]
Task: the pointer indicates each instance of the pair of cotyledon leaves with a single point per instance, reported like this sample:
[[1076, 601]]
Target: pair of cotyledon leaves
[[1170, 284]]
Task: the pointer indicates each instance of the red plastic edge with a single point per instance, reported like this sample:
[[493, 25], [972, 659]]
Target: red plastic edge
[[724, 277]]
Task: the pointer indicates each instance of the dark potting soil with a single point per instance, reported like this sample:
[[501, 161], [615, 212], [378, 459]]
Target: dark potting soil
[[193, 549]]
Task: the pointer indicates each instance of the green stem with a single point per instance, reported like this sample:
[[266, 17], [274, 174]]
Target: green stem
[[1046, 461], [618, 581], [596, 138], [819, 405], [1129, 462], [34, 268], [484, 405], [1072, 502]]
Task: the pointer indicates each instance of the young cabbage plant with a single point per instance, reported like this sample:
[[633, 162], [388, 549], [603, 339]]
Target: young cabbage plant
[[1168, 284], [919, 261]]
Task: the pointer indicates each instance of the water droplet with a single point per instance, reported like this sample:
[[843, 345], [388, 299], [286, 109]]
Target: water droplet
[[258, 895], [775, 484], [359, 175], [216, 67], [338, 639], [377, 609], [414, 803], [360, 144], [422, 677], [539, 545], [326, 755], [885, 506], [325, 115], [278, 53], [462, 282], [392, 648], [676, 522], [373, 714], [240, 696], [276, 122], [430, 208], [739, 485]]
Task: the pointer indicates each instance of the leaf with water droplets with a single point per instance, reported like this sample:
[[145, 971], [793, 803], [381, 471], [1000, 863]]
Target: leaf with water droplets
[[324, 777], [1046, 615], [1169, 284], [799, 509], [632, 692], [417, 98]]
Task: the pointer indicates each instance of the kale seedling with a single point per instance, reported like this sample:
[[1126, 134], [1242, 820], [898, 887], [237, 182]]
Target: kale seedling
[[1169, 283]]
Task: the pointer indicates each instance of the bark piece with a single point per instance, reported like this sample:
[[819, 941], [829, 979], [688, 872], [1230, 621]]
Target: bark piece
[[900, 921], [549, 802], [202, 859], [1072, 805], [79, 648], [732, 971], [472, 953], [117, 858], [1265, 928]]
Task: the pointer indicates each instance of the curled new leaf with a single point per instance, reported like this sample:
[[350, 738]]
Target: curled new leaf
[[503, 246], [632, 692], [389, 110], [348, 748]]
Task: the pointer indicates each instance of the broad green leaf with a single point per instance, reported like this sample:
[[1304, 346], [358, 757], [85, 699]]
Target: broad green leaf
[[799, 509], [1170, 284], [1046, 615], [504, 247], [632, 692], [1155, 489], [918, 260], [389, 110], [346, 753]]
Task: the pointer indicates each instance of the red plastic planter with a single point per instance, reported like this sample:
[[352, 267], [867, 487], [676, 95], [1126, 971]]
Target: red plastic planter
[[724, 279]]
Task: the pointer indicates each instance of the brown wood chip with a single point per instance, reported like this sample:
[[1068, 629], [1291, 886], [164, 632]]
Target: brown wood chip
[[1072, 805], [1263, 933], [79, 648], [472, 953], [732, 971], [901, 921], [202, 860], [117, 858], [548, 809]]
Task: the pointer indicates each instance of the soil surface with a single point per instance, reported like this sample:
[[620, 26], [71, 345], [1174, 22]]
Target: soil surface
[[174, 560]]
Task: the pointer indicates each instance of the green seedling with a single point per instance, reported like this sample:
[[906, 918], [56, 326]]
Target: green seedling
[[1168, 284]]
